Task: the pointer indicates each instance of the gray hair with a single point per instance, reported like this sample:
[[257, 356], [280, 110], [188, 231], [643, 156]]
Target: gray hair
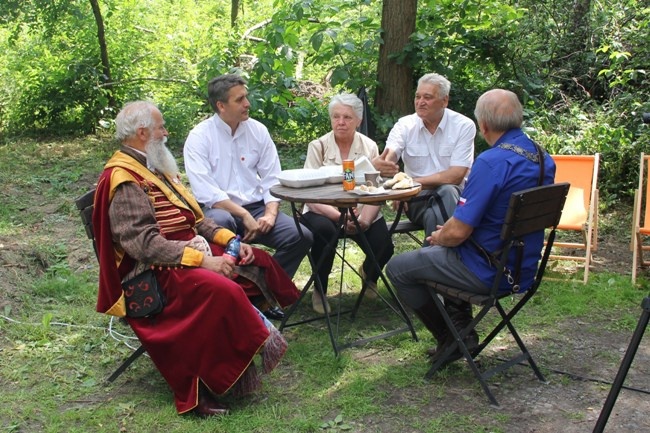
[[350, 100], [500, 110], [219, 87], [134, 115], [443, 84]]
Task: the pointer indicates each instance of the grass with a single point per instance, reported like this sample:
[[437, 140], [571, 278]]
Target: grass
[[56, 351]]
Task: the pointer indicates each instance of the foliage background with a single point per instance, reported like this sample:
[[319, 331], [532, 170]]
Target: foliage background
[[583, 84], [57, 352], [579, 67]]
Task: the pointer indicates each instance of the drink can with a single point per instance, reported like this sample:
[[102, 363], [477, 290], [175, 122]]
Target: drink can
[[348, 175]]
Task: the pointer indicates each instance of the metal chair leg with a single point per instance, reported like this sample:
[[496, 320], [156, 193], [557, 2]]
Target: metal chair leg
[[135, 355]]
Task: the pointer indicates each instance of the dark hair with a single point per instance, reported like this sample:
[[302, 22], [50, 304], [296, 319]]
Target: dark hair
[[219, 87]]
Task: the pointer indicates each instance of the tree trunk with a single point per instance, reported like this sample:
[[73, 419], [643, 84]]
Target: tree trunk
[[234, 10], [574, 50], [106, 67], [395, 91]]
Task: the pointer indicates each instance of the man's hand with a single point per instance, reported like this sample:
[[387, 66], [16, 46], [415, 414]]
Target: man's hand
[[218, 264], [266, 223], [387, 167], [453, 233], [433, 237], [251, 228], [246, 255]]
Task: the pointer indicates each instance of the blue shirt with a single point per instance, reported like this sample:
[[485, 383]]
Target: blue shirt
[[495, 175]]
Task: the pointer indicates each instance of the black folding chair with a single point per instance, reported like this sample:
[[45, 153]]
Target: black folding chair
[[529, 211], [408, 228], [85, 204]]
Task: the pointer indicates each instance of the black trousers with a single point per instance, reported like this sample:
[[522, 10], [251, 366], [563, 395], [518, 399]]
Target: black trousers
[[324, 229]]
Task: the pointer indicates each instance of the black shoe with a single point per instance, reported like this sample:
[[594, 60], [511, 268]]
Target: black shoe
[[471, 343], [274, 313]]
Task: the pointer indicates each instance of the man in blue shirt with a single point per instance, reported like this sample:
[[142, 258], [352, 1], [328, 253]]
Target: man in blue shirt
[[511, 164]]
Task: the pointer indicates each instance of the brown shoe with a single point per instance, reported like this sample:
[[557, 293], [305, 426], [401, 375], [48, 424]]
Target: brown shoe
[[318, 305], [208, 406], [371, 289]]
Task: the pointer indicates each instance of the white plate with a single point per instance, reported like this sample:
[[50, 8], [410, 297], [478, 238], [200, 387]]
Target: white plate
[[334, 173], [302, 177], [359, 191]]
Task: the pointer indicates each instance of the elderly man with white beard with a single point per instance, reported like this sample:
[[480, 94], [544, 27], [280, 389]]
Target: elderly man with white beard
[[205, 339]]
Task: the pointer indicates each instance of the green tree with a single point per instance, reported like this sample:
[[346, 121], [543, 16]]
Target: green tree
[[103, 50], [394, 70], [580, 67], [52, 72]]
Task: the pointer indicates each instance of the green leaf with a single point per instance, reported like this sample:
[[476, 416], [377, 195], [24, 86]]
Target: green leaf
[[316, 40], [89, 383], [46, 320]]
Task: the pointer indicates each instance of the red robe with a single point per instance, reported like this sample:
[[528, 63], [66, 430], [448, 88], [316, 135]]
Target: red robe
[[208, 329]]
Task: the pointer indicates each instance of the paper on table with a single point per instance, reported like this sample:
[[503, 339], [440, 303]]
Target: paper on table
[[361, 166], [376, 191]]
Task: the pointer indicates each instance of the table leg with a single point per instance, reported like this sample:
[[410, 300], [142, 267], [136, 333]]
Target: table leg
[[366, 247], [313, 279]]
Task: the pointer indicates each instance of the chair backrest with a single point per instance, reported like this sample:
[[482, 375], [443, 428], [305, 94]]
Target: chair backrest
[[85, 204], [581, 171], [644, 178], [529, 211], [534, 209], [641, 217]]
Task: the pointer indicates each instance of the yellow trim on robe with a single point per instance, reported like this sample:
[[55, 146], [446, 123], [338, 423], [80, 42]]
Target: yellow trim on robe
[[118, 309], [222, 237], [121, 160], [191, 257]]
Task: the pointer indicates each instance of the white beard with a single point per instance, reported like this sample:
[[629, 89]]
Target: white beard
[[160, 158]]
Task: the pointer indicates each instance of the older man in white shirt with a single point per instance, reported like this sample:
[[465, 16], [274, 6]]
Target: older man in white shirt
[[231, 163], [436, 145]]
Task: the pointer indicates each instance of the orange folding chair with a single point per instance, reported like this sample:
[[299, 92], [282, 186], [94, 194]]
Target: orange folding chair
[[641, 216], [580, 213]]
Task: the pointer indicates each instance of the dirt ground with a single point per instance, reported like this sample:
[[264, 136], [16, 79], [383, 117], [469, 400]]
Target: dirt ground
[[581, 361]]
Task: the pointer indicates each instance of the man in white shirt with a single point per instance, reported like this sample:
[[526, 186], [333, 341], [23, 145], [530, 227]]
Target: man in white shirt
[[436, 145], [232, 163]]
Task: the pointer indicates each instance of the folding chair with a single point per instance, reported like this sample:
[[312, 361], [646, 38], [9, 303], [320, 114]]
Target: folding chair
[[580, 212], [641, 216], [85, 204], [399, 226], [406, 227], [529, 211]]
